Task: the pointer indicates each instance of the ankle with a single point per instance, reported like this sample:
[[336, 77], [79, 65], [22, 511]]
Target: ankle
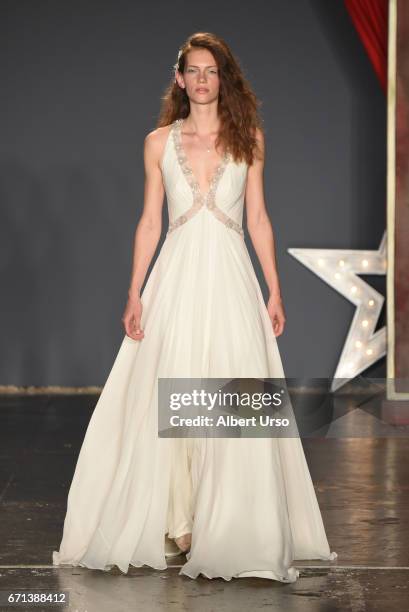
[[183, 542]]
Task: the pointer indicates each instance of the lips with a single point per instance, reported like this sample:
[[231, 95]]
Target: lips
[[202, 90]]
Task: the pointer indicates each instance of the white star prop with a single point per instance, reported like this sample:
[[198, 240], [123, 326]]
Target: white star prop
[[340, 268]]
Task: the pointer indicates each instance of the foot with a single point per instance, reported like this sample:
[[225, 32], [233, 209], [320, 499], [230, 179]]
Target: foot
[[184, 542]]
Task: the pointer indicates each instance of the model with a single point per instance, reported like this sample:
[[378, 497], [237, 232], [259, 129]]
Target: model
[[236, 506]]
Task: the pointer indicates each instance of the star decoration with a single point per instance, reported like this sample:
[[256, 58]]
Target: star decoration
[[340, 269]]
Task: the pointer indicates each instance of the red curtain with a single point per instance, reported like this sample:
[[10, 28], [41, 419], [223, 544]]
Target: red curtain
[[370, 18]]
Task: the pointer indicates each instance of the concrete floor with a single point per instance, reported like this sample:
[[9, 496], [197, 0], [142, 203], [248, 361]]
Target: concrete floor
[[363, 491]]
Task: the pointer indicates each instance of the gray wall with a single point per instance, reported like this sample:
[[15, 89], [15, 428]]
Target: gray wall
[[81, 85]]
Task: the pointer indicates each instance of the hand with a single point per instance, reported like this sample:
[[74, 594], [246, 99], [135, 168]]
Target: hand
[[276, 313], [132, 318]]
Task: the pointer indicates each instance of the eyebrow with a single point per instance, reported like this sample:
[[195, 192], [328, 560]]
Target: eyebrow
[[194, 66]]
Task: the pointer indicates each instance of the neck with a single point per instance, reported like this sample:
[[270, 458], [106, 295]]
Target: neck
[[202, 122]]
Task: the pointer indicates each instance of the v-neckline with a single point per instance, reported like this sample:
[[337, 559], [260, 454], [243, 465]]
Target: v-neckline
[[187, 170]]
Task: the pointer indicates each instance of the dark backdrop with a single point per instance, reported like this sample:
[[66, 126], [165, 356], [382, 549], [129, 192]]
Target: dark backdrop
[[80, 88]]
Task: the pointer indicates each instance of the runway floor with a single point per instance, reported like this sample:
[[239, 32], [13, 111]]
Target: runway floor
[[362, 485]]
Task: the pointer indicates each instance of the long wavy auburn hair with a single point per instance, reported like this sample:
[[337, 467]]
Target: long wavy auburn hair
[[237, 106]]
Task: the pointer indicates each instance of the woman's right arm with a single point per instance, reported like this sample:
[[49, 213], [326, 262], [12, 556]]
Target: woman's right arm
[[148, 231]]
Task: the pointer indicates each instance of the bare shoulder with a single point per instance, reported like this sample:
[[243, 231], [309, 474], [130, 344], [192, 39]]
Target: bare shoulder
[[155, 142], [259, 136], [259, 150]]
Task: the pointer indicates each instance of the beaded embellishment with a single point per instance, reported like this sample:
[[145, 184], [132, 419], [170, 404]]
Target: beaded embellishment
[[199, 199]]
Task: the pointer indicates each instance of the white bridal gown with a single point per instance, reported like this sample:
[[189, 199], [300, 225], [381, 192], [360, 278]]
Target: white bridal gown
[[249, 503]]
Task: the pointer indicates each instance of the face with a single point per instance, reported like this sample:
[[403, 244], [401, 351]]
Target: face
[[200, 77]]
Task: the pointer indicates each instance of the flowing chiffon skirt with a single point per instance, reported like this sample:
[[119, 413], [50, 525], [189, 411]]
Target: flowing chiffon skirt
[[249, 503]]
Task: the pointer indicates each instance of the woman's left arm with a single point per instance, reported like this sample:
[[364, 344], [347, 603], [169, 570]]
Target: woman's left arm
[[262, 236]]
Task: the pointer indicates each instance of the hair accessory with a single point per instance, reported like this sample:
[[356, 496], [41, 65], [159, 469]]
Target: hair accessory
[[175, 66]]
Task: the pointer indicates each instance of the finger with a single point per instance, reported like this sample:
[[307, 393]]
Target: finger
[[129, 332], [137, 326], [129, 324], [280, 328], [137, 336], [277, 326], [134, 335], [137, 331], [129, 329]]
